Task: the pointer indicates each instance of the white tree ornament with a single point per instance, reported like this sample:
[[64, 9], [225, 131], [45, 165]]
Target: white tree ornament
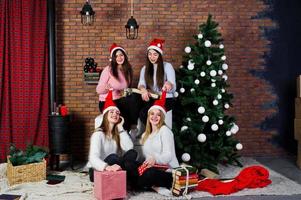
[[234, 129], [207, 43], [205, 118], [200, 35], [188, 119], [184, 128], [197, 81], [208, 62], [192, 90], [182, 90], [214, 127], [225, 77], [219, 96], [185, 157], [224, 66], [203, 74], [239, 146], [181, 66], [226, 106], [213, 84], [176, 94], [220, 72], [212, 73], [223, 90], [221, 46], [220, 122], [190, 65], [215, 102], [223, 57], [187, 49], [202, 137], [201, 110], [228, 133]]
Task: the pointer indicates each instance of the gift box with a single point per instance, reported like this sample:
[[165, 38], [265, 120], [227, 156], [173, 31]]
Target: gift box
[[109, 185]]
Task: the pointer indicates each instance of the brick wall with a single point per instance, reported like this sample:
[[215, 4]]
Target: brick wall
[[175, 21]]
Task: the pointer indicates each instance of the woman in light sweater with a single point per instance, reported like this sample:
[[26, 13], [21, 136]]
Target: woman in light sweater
[[111, 148], [156, 76], [119, 76], [158, 148]]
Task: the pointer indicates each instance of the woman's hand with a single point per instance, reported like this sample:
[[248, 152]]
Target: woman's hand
[[149, 162], [144, 94], [113, 168], [167, 86], [120, 125]]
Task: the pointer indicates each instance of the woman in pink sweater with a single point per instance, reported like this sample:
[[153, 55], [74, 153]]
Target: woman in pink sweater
[[119, 76]]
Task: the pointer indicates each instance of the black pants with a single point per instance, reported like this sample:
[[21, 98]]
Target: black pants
[[127, 162], [169, 104], [154, 177], [129, 107]]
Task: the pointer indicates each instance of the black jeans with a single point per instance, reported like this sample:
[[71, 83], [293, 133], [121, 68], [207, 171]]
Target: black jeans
[[154, 177], [129, 107], [126, 162]]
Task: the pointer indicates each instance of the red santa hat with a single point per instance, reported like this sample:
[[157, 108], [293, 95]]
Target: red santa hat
[[156, 44], [160, 103], [115, 47], [108, 105]]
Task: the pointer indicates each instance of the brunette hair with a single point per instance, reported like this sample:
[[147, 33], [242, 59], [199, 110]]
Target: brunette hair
[[149, 72], [126, 68], [148, 128], [105, 128]]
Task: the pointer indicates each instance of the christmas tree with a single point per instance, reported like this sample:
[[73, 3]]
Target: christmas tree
[[203, 131]]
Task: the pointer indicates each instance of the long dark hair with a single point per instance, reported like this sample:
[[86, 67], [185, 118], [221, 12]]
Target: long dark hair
[[105, 128], [149, 72], [126, 68]]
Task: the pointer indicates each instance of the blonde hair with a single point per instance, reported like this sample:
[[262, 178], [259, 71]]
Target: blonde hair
[[105, 127], [148, 128]]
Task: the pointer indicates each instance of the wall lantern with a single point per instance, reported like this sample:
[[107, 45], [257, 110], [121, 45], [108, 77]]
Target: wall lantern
[[87, 14], [132, 26]]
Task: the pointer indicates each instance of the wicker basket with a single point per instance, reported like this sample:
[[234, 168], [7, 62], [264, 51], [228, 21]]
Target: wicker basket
[[26, 173]]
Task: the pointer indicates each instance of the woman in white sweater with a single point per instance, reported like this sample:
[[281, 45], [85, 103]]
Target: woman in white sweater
[[158, 148], [111, 148]]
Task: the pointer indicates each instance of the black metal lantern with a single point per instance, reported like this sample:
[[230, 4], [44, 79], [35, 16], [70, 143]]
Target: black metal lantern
[[87, 14], [132, 26], [131, 29]]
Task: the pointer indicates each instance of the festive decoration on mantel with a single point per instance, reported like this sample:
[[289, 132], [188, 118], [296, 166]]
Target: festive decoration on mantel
[[206, 139]]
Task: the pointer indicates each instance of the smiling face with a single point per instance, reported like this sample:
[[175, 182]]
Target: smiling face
[[153, 56], [155, 116], [119, 57], [113, 116]]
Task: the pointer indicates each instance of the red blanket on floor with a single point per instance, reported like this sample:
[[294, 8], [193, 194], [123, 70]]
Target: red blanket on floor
[[250, 177]]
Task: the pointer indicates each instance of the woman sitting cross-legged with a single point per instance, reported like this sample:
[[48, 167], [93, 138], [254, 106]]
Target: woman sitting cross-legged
[[109, 142], [158, 149]]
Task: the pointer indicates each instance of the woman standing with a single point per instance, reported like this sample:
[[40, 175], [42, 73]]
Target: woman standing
[[158, 148], [111, 148], [119, 76], [156, 76]]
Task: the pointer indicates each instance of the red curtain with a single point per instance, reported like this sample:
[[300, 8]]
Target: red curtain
[[23, 74]]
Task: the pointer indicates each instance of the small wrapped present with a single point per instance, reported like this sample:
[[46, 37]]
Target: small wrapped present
[[109, 185]]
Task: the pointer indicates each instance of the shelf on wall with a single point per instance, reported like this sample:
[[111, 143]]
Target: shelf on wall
[[91, 78]]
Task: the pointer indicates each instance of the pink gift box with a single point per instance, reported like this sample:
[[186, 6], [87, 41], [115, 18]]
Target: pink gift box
[[109, 185]]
